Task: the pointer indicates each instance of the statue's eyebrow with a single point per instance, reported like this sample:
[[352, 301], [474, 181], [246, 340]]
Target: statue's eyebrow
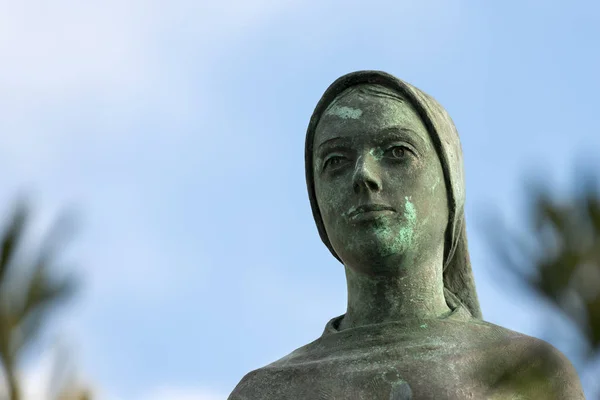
[[337, 141], [401, 133], [384, 136]]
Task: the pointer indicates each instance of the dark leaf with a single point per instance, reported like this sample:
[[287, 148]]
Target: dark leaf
[[11, 238]]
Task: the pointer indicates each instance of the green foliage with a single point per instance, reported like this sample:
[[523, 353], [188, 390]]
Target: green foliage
[[559, 259], [29, 294]]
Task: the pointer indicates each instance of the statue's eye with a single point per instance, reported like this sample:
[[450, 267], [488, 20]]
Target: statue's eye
[[333, 161], [397, 152]]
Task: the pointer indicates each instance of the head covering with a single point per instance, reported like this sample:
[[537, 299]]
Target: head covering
[[459, 285]]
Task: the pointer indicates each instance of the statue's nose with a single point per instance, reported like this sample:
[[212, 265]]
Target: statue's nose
[[366, 175]]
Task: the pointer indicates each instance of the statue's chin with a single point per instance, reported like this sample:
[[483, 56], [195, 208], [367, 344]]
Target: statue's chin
[[373, 258]]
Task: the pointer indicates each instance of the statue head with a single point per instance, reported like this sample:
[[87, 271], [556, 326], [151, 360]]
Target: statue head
[[385, 180], [378, 182]]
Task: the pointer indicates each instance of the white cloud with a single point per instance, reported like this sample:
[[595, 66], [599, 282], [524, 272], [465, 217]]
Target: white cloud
[[36, 379], [118, 54], [176, 393], [64, 47], [126, 57], [36, 383]]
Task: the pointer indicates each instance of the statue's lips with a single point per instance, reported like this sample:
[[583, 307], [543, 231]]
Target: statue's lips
[[367, 210]]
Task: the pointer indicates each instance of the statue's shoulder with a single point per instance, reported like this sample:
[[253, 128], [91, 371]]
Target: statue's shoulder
[[548, 367], [250, 387], [490, 331], [518, 343], [266, 382], [523, 359]]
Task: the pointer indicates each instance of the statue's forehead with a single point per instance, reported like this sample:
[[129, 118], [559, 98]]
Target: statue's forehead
[[360, 113]]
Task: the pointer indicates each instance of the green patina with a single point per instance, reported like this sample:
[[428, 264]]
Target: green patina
[[376, 153], [402, 239], [406, 234], [345, 112]]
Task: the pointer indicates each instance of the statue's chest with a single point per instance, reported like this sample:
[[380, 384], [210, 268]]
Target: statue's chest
[[354, 384], [385, 378]]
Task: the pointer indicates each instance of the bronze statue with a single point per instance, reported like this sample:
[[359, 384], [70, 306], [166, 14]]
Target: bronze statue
[[385, 180]]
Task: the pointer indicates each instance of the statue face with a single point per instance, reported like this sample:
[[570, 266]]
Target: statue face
[[379, 183]]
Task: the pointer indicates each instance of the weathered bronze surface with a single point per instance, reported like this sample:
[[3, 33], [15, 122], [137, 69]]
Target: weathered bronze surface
[[385, 179]]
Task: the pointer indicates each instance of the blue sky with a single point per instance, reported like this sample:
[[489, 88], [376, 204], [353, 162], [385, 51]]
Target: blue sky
[[176, 130]]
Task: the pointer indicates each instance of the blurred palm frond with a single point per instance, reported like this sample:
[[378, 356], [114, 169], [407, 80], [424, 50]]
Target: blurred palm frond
[[558, 259], [29, 294]]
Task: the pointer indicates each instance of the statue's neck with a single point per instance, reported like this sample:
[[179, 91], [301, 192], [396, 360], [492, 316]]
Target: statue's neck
[[417, 292]]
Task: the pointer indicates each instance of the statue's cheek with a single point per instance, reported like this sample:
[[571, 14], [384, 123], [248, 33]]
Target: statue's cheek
[[330, 199]]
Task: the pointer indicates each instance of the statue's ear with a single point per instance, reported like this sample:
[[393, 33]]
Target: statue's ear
[[458, 275]]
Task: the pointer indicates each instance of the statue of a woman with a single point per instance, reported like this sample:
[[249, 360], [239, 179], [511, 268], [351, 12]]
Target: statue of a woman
[[385, 179]]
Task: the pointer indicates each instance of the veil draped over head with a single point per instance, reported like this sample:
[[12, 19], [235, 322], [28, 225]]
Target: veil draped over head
[[459, 285]]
